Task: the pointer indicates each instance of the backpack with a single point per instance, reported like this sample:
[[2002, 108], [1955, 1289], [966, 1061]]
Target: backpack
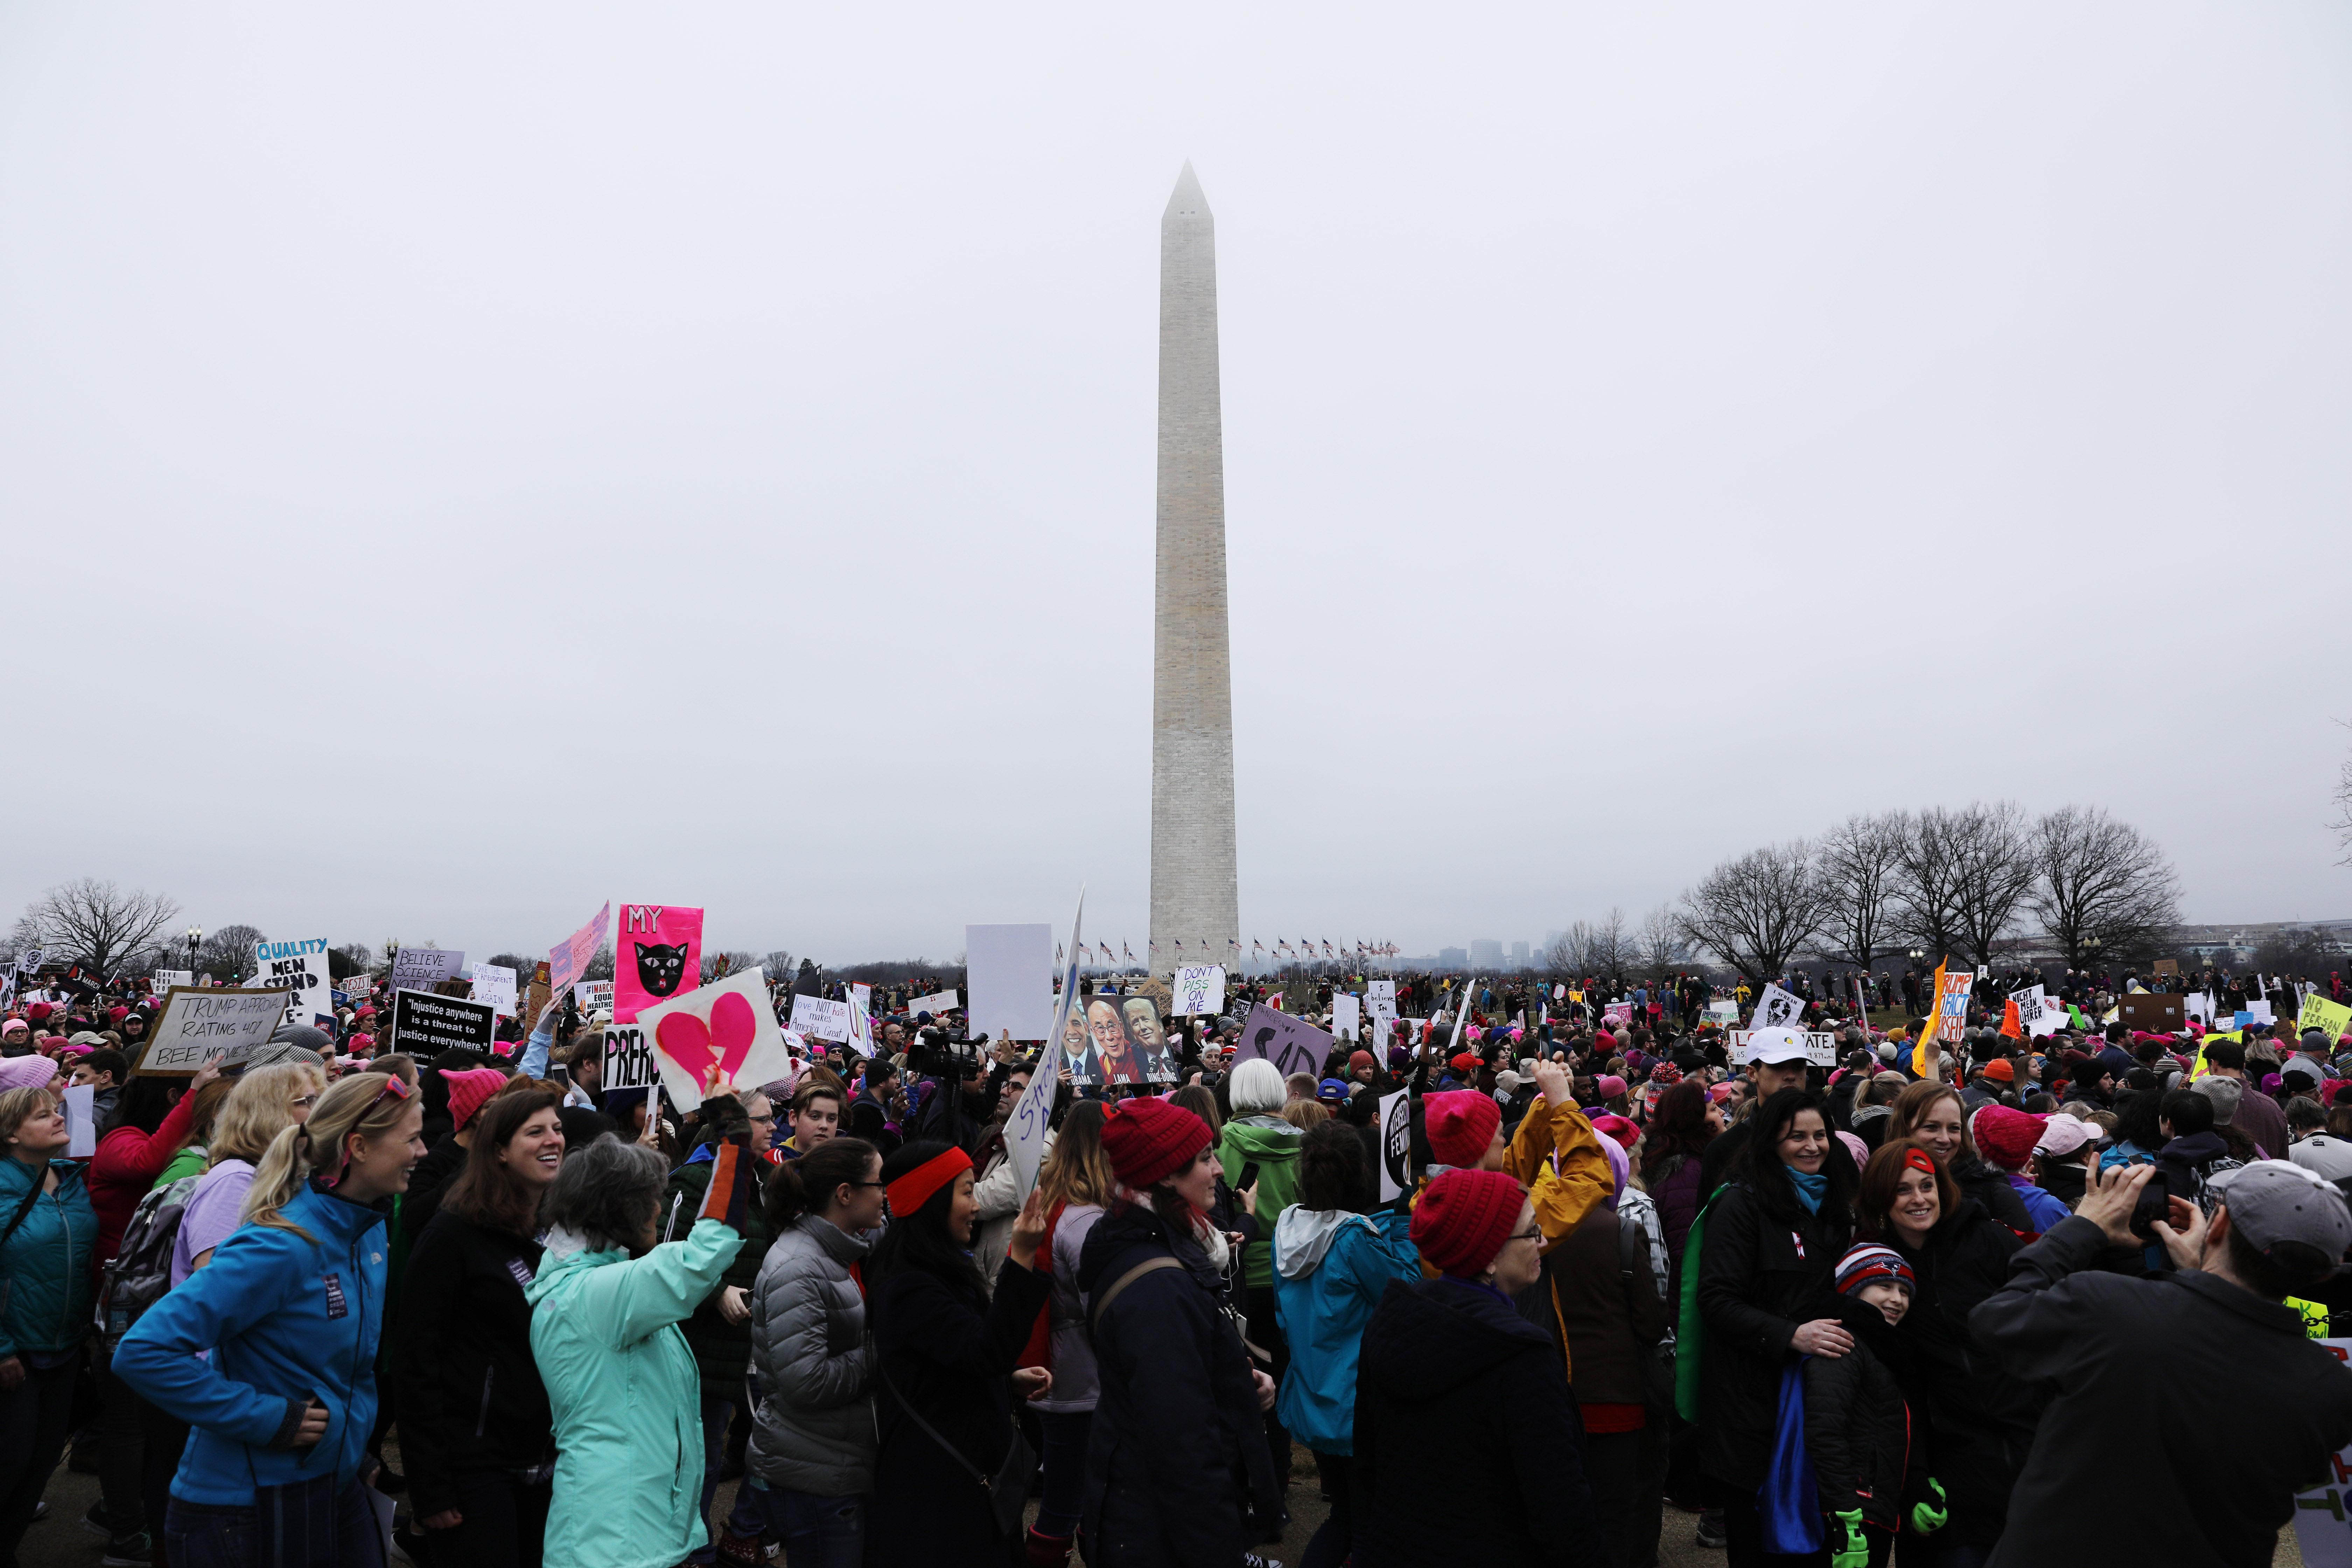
[[141, 1270], [1690, 1332]]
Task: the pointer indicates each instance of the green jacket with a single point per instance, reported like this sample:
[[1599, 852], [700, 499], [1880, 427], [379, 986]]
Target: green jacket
[[44, 1277], [626, 1398], [1271, 1145], [722, 1351]]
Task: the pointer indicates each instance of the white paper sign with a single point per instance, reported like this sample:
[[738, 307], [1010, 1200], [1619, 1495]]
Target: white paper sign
[[722, 1036], [1379, 1001], [821, 1019], [1009, 975], [861, 1019], [81, 1120], [422, 968], [1396, 1144], [164, 979], [593, 997], [1024, 1130], [1345, 1011], [1200, 988], [1821, 1047], [629, 1057], [2035, 1012], [1776, 1009], [2323, 1513], [298, 969], [494, 983]]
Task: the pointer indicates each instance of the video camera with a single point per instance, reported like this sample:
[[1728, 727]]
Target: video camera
[[934, 1053]]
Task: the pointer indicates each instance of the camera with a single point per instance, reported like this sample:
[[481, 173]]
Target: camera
[[934, 1054]]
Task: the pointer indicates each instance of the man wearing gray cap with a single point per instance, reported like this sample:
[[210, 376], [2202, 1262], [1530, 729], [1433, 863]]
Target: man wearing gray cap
[[2221, 1408]]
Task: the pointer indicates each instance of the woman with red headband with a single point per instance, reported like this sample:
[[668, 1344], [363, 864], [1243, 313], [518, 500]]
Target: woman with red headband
[[948, 1373], [1979, 1420]]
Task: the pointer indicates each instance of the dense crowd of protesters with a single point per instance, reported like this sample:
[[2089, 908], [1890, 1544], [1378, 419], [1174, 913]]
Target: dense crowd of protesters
[[1919, 1299]]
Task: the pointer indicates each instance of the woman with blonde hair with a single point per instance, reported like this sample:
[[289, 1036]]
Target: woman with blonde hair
[[259, 1106], [48, 1232], [1075, 1184], [290, 1307], [1935, 1114]]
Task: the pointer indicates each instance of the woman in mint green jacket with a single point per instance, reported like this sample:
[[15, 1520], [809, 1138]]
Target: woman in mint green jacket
[[605, 1309]]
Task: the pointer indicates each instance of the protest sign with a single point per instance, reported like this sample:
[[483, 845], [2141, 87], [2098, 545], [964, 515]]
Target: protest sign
[[1951, 1015], [1125, 1042], [1621, 1014], [593, 997], [1775, 1009], [1290, 1044], [298, 969], [199, 1023], [1009, 975], [422, 968], [2147, 1010], [658, 951], [821, 1019], [2036, 1013], [1724, 1013], [721, 1036], [162, 980], [494, 983], [81, 1120], [1345, 1010], [1379, 1002], [424, 1024], [2323, 1511], [939, 1004], [535, 998], [861, 1019], [2259, 1012], [629, 1056], [2198, 1004], [1024, 1128], [2319, 1013], [2168, 966], [1396, 1144], [568, 961], [1821, 1047], [1200, 988]]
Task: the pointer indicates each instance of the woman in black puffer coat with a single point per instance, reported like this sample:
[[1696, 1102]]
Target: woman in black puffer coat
[[1773, 1236], [1177, 1467]]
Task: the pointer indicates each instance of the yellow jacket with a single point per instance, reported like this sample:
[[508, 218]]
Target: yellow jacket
[[1557, 1156]]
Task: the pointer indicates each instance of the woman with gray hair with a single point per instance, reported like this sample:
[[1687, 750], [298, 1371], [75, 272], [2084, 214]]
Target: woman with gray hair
[[606, 1304]]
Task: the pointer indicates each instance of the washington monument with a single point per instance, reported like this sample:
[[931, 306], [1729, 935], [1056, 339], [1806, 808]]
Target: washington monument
[[1195, 897]]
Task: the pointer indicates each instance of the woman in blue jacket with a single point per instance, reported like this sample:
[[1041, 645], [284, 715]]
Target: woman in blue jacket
[[1331, 1263], [47, 1230], [289, 1309]]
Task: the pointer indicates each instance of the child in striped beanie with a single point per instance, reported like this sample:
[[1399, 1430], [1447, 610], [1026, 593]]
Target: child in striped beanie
[[1877, 1276]]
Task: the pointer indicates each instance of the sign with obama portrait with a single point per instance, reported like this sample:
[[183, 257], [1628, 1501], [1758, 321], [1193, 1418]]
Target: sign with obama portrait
[[1112, 1039]]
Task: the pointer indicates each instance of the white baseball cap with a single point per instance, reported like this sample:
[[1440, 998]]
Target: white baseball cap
[[1777, 1043]]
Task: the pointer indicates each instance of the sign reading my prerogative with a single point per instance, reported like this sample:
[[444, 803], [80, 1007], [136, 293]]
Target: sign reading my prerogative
[[424, 1024]]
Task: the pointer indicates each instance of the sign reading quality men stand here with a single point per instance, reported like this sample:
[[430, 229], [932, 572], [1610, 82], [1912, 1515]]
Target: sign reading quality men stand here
[[298, 969], [424, 1024], [199, 1023]]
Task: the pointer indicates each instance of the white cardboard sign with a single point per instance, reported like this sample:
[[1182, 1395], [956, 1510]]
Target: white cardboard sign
[[298, 969], [1009, 975], [722, 1036], [199, 1023], [422, 968], [494, 983], [1345, 1010], [820, 1019], [939, 1004], [1200, 988]]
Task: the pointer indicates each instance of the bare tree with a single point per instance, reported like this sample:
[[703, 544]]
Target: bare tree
[[2342, 823], [1757, 911], [227, 953], [2105, 878], [1861, 863], [1566, 954], [1927, 896], [1993, 871], [99, 924], [1660, 947], [779, 965]]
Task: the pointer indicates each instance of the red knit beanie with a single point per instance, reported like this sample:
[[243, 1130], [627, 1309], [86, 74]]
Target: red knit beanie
[[468, 1090], [2006, 1138], [1150, 1140], [1464, 1219], [1461, 1126]]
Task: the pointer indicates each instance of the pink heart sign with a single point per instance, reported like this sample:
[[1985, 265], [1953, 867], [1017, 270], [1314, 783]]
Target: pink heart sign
[[713, 1051]]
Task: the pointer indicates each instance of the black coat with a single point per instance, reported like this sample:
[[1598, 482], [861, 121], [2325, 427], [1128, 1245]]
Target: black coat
[[1449, 1369], [1177, 1467], [1993, 1195], [1857, 1424], [954, 1363], [422, 1199], [470, 1397], [1977, 1420], [1759, 1276]]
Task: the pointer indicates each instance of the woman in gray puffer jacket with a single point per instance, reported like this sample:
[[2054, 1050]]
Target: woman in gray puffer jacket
[[812, 1453]]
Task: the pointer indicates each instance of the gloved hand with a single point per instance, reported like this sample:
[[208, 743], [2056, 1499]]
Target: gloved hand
[[1927, 1518], [1855, 1552]]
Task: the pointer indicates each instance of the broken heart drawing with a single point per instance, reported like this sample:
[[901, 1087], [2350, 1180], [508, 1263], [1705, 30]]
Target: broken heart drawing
[[723, 1036]]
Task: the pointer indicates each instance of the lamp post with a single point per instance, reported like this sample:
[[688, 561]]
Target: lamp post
[[196, 935]]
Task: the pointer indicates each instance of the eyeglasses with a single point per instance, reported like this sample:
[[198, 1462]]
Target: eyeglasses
[[304, 1102], [1536, 1235]]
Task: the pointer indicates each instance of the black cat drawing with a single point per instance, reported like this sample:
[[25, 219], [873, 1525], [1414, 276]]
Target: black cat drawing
[[660, 968]]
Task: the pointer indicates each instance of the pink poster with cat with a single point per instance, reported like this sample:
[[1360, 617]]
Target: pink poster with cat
[[657, 954]]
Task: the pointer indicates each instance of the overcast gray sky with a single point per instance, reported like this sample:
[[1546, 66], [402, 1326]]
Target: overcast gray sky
[[471, 461]]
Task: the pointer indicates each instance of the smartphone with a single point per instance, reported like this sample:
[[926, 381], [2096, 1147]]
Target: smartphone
[[1249, 1177]]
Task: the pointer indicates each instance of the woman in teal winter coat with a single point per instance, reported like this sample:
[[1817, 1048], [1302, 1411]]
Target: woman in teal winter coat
[[47, 1230], [289, 1311], [1331, 1263], [606, 1309]]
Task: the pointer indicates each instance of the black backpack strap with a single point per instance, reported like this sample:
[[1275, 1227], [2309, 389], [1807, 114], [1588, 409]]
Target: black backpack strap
[[1102, 1303]]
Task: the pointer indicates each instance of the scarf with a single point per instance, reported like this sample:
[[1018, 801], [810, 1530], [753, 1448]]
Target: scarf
[[1208, 1237], [1811, 1189]]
